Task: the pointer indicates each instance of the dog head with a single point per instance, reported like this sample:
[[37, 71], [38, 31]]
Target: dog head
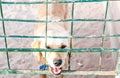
[[56, 60]]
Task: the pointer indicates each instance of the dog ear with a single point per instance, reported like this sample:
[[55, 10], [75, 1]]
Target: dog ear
[[38, 55]]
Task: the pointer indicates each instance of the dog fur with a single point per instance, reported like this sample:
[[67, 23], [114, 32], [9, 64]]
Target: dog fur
[[55, 12]]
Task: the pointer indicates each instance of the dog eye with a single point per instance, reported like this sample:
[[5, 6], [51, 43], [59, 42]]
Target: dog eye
[[63, 46], [48, 47]]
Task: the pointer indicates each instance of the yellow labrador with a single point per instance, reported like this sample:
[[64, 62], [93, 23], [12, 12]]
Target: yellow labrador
[[55, 60]]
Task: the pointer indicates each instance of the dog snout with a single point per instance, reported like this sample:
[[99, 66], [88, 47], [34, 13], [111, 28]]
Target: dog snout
[[57, 62]]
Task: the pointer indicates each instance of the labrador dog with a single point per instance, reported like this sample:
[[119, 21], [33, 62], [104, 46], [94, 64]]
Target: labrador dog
[[55, 60]]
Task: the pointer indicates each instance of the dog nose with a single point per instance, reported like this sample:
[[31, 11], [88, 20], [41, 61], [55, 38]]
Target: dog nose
[[57, 62]]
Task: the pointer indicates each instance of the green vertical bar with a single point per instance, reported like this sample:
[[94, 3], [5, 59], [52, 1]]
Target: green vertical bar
[[104, 27], [46, 25], [103, 33], [4, 32], [71, 33], [118, 67]]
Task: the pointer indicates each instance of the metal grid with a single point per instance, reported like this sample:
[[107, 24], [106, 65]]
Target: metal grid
[[67, 72]]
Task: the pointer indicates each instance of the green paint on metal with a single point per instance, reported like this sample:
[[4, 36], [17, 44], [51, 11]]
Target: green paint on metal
[[71, 34], [46, 26], [103, 32], [61, 20], [69, 50], [118, 67], [65, 72], [63, 37], [61, 50], [5, 39], [52, 2]]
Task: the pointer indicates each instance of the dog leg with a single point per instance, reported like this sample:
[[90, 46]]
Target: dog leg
[[42, 76]]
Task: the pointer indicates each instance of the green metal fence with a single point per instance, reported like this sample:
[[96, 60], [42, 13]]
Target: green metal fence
[[72, 19]]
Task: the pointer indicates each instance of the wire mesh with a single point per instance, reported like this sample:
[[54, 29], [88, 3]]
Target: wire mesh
[[72, 19]]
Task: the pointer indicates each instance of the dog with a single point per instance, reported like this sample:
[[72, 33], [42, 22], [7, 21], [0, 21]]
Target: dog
[[55, 60]]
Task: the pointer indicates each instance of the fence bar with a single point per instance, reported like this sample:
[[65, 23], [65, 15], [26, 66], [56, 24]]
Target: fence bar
[[118, 67], [4, 32], [61, 20], [69, 50], [52, 2], [103, 32], [65, 72], [46, 25], [61, 50], [71, 34], [92, 36], [104, 27]]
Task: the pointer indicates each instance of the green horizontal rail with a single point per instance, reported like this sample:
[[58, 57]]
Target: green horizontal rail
[[66, 20], [92, 36], [65, 72], [48, 2], [61, 50]]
